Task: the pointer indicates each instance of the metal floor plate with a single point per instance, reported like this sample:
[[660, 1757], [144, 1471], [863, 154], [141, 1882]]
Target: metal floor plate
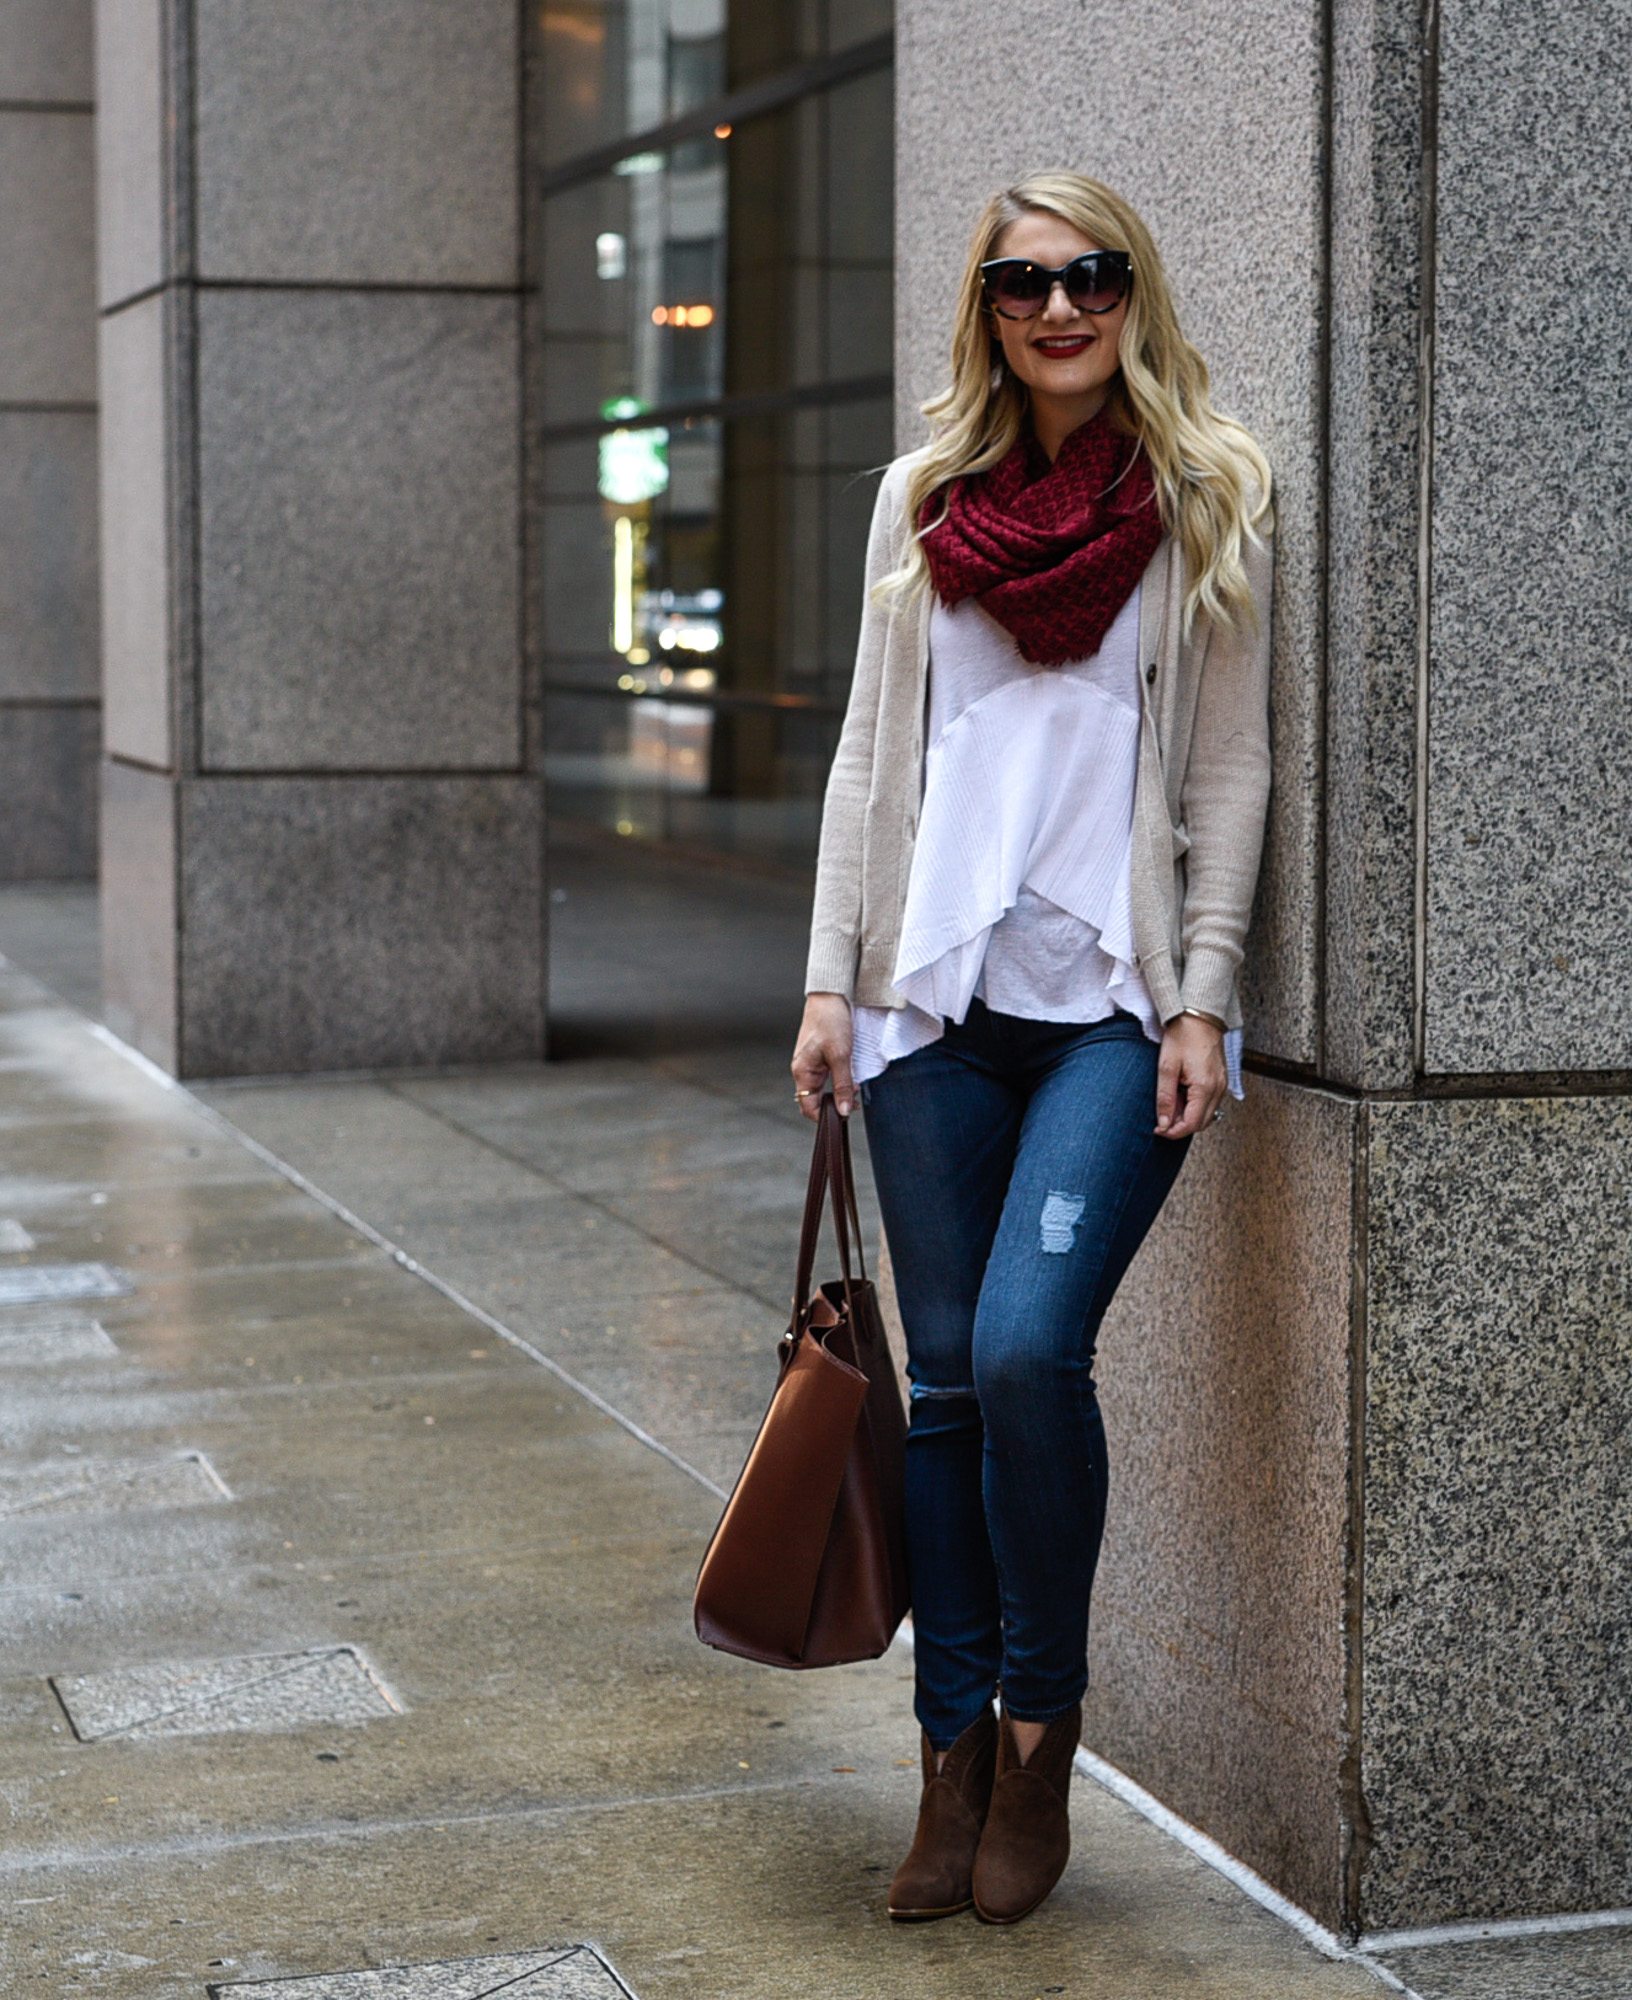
[[42, 1343], [109, 1485], [569, 1972], [31, 1284], [329, 1684]]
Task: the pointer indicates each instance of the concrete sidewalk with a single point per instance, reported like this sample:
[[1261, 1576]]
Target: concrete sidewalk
[[343, 1634]]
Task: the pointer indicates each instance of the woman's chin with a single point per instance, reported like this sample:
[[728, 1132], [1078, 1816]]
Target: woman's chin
[[1065, 383]]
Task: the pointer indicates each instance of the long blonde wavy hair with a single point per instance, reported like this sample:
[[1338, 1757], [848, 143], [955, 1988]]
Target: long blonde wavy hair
[[1212, 481]]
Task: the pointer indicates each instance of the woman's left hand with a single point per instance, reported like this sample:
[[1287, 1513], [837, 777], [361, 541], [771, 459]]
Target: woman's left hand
[[1191, 1078]]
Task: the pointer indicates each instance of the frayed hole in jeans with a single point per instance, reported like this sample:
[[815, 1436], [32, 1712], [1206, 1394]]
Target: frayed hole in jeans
[[1061, 1214]]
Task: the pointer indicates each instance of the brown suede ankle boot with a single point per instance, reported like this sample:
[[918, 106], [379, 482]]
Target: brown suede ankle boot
[[934, 1880], [1027, 1838]]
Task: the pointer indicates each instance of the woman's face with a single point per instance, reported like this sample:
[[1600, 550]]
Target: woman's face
[[1063, 356]]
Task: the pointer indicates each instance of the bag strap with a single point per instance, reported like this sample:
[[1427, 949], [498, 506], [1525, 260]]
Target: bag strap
[[842, 1176], [830, 1170], [810, 1228]]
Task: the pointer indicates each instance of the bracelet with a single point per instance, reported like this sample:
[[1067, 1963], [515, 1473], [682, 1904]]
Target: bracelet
[[1212, 1020]]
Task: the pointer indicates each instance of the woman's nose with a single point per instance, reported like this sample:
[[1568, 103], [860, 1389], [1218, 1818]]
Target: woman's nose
[[1059, 302]]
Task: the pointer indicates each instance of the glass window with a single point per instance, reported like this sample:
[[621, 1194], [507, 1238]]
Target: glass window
[[714, 314], [615, 67]]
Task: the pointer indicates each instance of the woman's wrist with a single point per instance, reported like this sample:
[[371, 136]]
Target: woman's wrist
[[1198, 1014]]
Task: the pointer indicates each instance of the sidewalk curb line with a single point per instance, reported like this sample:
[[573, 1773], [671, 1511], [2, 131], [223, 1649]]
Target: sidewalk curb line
[[412, 1265], [1222, 1862], [1492, 1930]]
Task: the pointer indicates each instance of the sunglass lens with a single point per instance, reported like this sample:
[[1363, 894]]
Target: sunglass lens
[[1018, 289], [1095, 284]]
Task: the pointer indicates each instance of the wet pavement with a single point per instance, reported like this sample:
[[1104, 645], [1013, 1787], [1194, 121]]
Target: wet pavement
[[344, 1633]]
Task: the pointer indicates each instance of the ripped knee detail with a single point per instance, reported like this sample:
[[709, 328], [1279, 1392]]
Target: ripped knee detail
[[1058, 1223], [930, 1392]]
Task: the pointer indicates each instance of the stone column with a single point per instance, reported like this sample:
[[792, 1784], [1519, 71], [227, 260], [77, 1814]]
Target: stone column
[[1365, 1599], [49, 721], [322, 818]]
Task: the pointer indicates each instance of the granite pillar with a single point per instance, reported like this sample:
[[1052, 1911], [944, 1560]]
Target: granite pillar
[[49, 719], [1363, 1607], [322, 813]]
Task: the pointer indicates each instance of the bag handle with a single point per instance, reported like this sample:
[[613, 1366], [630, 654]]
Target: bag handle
[[830, 1167], [843, 1176], [810, 1227]]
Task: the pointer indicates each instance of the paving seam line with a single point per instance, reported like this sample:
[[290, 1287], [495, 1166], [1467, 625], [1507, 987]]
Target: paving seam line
[[609, 1968], [285, 1670], [55, 1861], [411, 1264], [602, 1206], [561, 1957]]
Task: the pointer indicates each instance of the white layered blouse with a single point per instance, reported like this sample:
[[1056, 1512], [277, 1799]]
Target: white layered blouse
[[1019, 893]]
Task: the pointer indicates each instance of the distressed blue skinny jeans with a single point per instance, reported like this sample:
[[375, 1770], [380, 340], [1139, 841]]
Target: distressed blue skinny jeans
[[1018, 1173]]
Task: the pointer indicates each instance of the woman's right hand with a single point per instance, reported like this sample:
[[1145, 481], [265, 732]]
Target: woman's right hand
[[823, 1051]]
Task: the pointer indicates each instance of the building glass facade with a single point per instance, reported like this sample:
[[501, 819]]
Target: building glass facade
[[714, 336]]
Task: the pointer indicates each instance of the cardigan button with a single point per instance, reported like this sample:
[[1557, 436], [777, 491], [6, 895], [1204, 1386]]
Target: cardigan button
[[1150, 673]]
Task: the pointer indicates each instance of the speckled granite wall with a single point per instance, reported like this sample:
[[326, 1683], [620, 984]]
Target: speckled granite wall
[[1374, 478], [312, 522], [1232, 189], [1530, 786], [1217, 1651], [1498, 1565]]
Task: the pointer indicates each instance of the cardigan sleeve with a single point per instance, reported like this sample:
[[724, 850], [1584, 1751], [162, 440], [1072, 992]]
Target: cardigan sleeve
[[1225, 796], [835, 934]]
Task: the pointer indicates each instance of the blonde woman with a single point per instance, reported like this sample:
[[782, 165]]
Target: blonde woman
[[1038, 854]]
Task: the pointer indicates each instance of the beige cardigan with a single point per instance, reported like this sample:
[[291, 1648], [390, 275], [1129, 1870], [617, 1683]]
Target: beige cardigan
[[1199, 800]]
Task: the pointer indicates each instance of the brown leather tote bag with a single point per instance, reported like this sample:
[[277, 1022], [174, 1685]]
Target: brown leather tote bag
[[808, 1566]]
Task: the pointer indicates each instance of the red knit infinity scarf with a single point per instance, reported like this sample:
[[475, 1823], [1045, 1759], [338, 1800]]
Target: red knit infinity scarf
[[1053, 552]]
